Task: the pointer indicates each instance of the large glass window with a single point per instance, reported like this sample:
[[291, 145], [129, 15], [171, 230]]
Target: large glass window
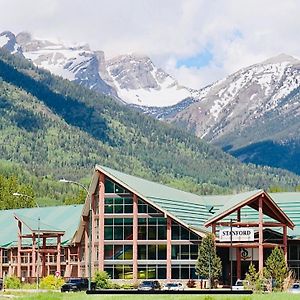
[[112, 187], [152, 228], [152, 252], [122, 272], [118, 205], [152, 271], [181, 233], [189, 252], [118, 252], [118, 228], [183, 272], [144, 208]]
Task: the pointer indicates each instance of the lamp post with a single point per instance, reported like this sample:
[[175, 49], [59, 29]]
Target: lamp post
[[89, 228], [38, 242]]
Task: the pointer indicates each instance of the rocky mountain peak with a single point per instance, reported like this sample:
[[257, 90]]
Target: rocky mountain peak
[[281, 58], [9, 43]]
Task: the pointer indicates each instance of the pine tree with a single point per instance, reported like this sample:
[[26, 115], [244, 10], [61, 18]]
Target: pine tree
[[208, 264], [276, 267], [254, 278]]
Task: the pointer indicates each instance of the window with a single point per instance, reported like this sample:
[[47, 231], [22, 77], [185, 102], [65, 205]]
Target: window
[[118, 252], [118, 228]]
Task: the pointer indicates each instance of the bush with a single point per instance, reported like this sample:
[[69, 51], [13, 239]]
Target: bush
[[12, 282], [255, 279], [127, 286], [29, 286], [102, 280], [191, 283], [51, 282]]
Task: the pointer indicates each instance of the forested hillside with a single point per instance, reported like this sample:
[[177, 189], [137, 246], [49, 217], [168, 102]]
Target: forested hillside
[[55, 128]]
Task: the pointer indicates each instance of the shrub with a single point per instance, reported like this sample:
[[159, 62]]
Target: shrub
[[29, 286], [254, 278], [127, 286], [51, 282], [191, 283], [102, 280], [12, 282]]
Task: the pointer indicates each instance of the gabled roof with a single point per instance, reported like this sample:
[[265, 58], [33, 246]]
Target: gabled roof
[[65, 217], [188, 209], [35, 225], [270, 208]]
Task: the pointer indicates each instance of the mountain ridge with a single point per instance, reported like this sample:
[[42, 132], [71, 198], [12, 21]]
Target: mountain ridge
[[44, 127]]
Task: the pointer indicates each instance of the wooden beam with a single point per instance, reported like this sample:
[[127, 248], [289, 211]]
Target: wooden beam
[[247, 245], [250, 224]]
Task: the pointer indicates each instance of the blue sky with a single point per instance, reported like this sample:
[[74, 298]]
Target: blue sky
[[199, 60], [196, 41]]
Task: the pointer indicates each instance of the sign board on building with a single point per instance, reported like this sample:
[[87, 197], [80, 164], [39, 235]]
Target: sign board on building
[[247, 254], [239, 234]]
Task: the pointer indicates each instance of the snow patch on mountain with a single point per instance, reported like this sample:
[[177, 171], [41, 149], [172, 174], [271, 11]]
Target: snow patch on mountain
[[139, 82]]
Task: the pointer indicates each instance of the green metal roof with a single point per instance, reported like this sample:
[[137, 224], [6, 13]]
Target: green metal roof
[[55, 218], [189, 208], [193, 210]]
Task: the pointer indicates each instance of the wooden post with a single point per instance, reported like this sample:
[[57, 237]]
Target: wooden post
[[1, 263], [285, 242], [135, 239], [19, 249], [28, 264], [213, 228], [58, 266], [238, 262], [93, 235], [33, 256], [78, 260], [101, 221], [86, 248], [238, 215], [169, 248], [44, 257], [260, 235]]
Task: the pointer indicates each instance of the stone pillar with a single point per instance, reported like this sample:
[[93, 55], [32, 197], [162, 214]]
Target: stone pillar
[[260, 235], [135, 238], [169, 248]]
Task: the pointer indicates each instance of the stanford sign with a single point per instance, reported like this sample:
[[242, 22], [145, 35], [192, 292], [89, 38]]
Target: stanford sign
[[239, 234]]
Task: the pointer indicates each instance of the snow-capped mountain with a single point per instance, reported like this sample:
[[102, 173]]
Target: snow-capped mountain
[[9, 43], [243, 99], [75, 63], [138, 81], [133, 79]]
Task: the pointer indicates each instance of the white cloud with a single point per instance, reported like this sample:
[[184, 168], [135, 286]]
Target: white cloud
[[238, 32]]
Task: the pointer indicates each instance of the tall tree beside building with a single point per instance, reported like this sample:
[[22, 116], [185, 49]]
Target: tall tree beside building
[[276, 267], [208, 264]]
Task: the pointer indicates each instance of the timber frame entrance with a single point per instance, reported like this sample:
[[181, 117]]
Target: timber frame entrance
[[36, 251], [232, 217]]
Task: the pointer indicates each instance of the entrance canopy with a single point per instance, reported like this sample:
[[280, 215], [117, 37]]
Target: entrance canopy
[[251, 199]]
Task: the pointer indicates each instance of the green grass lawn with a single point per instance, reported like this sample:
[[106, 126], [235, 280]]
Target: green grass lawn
[[82, 295]]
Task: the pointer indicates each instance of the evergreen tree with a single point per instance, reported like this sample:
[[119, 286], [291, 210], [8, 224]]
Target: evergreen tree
[[254, 278], [208, 264], [276, 267]]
